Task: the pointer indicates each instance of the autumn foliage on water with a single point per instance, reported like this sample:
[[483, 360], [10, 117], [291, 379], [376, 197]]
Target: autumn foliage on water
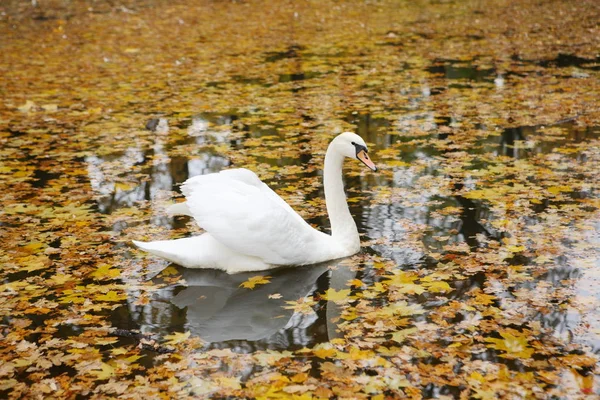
[[480, 231]]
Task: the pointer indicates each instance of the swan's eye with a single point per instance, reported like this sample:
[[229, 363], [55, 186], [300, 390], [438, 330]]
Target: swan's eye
[[353, 144]]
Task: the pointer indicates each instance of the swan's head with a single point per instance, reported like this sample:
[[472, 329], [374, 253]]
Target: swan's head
[[353, 146]]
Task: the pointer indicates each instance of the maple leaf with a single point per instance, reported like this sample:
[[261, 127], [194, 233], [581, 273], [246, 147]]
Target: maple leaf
[[271, 356], [437, 287], [555, 190], [401, 335], [169, 271], [484, 298], [401, 308], [33, 247], [324, 350], [255, 280], [200, 387], [515, 249], [304, 305], [404, 282], [401, 278], [177, 337], [106, 271], [111, 296], [513, 343], [105, 371], [233, 382], [106, 340], [132, 359], [336, 296]]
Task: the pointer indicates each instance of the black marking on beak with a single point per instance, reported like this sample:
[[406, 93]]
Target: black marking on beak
[[359, 148], [362, 155]]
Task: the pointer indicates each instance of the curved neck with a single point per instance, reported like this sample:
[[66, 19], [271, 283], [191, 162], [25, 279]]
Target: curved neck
[[343, 227]]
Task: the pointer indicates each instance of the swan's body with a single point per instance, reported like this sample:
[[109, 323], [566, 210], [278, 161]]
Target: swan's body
[[250, 228]]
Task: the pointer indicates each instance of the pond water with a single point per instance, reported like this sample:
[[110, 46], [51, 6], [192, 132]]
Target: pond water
[[480, 231], [212, 305]]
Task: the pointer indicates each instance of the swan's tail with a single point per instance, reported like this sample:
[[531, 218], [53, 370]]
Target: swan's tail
[[203, 251], [186, 252]]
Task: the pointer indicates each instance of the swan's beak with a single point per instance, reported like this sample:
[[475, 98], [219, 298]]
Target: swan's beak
[[364, 157]]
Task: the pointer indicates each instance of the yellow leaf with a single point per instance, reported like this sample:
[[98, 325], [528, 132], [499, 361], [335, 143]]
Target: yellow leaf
[[558, 189], [333, 295], [513, 343], [484, 299], [270, 357], [33, 247], [397, 163], [72, 297], [401, 308], [119, 351], [105, 372], [169, 271], [229, 382], [304, 306], [177, 337], [400, 336], [106, 271], [255, 280], [324, 352], [487, 194], [61, 279], [22, 362], [111, 296], [299, 377], [356, 283], [578, 360], [133, 358], [400, 278], [515, 249], [124, 186], [438, 287], [7, 384], [106, 340]]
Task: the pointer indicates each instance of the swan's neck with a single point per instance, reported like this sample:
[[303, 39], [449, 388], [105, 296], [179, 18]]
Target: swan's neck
[[343, 227]]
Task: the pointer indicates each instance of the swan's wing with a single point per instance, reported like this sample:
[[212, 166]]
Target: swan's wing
[[238, 174], [244, 214]]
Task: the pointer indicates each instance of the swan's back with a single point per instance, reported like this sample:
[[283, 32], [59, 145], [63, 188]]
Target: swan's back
[[244, 214]]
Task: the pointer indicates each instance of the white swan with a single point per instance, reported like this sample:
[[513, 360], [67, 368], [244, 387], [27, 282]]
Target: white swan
[[250, 228]]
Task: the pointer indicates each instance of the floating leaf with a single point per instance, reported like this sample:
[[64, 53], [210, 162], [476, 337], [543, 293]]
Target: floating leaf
[[401, 335], [111, 296], [514, 344], [106, 371], [437, 287], [176, 338], [255, 280], [105, 271], [335, 295]]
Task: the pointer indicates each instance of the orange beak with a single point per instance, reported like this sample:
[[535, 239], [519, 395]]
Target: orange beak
[[364, 157]]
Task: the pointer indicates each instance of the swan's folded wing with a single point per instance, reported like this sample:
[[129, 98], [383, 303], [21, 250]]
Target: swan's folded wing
[[248, 217]]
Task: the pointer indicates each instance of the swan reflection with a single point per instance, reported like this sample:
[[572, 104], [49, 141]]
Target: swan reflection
[[219, 309]]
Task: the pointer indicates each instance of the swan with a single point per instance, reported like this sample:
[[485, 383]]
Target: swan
[[250, 228]]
